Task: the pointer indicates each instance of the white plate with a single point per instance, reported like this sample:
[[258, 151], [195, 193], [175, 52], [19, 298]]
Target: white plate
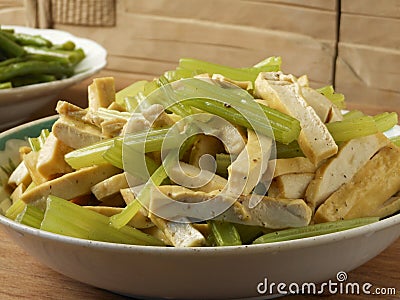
[[17, 104], [197, 273]]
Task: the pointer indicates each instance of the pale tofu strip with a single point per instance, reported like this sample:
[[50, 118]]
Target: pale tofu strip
[[71, 185], [247, 170], [315, 140], [274, 213], [180, 234], [367, 191], [205, 145], [324, 108], [292, 165], [388, 208], [141, 219], [270, 212], [157, 116], [138, 221], [20, 175], [30, 161], [110, 186], [17, 193], [76, 134], [193, 179], [291, 186], [51, 160], [246, 85], [70, 110], [101, 93], [341, 168]]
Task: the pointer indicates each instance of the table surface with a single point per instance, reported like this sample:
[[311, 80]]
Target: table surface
[[22, 276]]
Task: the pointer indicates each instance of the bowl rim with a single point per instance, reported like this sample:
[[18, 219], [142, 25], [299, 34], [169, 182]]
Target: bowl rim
[[369, 229], [102, 52]]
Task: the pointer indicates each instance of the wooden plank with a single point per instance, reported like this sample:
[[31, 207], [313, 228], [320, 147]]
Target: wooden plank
[[259, 14], [370, 30], [387, 8], [13, 16], [154, 38]]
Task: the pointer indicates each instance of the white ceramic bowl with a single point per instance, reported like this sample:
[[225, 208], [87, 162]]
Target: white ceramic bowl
[[17, 104], [195, 273]]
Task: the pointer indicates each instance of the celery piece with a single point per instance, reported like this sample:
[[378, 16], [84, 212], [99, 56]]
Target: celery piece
[[5, 85], [238, 106], [30, 216], [66, 218], [113, 155], [122, 218], [179, 73], [150, 87], [18, 206], [273, 61], [156, 179], [223, 162], [131, 103], [335, 98], [130, 91], [37, 143], [346, 130], [396, 140], [90, 155], [313, 230], [241, 74], [385, 121], [287, 151], [352, 114], [224, 233], [15, 209], [248, 233], [110, 114]]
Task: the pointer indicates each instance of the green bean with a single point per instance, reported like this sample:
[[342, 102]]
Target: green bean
[[33, 68], [32, 40], [27, 80], [9, 47], [67, 57]]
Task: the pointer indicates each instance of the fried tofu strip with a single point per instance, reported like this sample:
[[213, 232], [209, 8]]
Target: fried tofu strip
[[71, 185], [315, 140], [367, 191], [290, 186], [340, 169]]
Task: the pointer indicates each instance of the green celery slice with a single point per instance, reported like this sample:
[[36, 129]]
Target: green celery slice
[[30, 216], [313, 230], [66, 218], [224, 233]]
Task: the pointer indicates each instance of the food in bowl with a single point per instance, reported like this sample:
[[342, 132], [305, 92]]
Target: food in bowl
[[208, 155], [29, 59]]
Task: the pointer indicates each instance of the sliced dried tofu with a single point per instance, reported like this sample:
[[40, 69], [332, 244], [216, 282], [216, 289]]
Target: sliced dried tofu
[[101, 93], [372, 185], [71, 185], [20, 175], [17, 193], [318, 102], [190, 176], [51, 162], [340, 169], [112, 128], [180, 234], [76, 134], [30, 161], [269, 212], [157, 116], [246, 85], [290, 186], [388, 208], [315, 140], [246, 171], [70, 110], [292, 165], [110, 186], [205, 145]]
